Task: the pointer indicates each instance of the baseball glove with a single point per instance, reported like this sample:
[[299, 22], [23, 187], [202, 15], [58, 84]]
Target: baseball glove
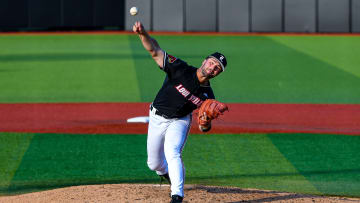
[[210, 109]]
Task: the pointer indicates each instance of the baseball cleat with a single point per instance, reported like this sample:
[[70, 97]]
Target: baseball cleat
[[176, 198], [166, 177]]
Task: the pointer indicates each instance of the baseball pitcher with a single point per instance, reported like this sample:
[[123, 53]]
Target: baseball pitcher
[[185, 89]]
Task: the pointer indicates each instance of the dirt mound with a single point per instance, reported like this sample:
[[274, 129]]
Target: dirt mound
[[156, 193]]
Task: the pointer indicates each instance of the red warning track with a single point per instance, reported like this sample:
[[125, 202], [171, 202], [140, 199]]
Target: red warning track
[[110, 118]]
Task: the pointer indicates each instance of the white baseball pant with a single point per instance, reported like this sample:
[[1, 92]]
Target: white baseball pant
[[165, 142]]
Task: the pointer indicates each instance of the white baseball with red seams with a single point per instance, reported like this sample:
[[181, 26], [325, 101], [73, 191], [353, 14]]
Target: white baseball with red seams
[[133, 11]]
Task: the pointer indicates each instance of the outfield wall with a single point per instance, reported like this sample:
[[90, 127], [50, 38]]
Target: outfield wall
[[184, 15], [61, 14]]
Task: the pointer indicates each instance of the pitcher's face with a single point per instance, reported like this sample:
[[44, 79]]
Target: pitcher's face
[[210, 68]]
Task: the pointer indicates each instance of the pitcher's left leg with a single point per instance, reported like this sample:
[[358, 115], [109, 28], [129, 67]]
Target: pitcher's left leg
[[175, 139]]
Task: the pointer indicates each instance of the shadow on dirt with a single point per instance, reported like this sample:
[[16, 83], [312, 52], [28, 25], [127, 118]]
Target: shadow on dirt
[[277, 196]]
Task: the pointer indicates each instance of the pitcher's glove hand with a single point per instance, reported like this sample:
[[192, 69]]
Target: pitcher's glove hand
[[210, 109]]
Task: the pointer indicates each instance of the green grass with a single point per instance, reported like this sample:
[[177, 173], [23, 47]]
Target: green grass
[[330, 162], [340, 52], [116, 68], [247, 161], [74, 68], [56, 160], [13, 146], [307, 163], [262, 69]]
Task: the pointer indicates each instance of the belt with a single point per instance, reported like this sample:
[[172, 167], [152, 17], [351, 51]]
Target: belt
[[158, 113]]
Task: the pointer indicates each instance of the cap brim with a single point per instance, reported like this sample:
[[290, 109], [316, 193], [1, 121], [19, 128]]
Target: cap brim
[[222, 66]]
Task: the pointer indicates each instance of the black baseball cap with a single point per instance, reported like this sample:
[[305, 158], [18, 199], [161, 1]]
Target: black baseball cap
[[220, 58]]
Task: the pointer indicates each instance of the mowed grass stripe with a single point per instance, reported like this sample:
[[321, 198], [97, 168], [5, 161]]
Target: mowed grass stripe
[[85, 68], [339, 51], [260, 70], [57, 160], [116, 68], [330, 162], [246, 161], [149, 76], [12, 148], [267, 71], [250, 160]]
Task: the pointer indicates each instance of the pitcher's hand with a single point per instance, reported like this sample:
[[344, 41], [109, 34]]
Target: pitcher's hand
[[138, 28]]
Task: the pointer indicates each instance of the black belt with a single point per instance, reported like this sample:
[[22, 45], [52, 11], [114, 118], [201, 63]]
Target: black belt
[[158, 113]]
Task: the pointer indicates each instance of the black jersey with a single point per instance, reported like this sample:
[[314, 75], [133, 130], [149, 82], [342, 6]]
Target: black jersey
[[181, 92]]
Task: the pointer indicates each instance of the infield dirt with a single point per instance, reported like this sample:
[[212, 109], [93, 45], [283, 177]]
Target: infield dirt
[[156, 193]]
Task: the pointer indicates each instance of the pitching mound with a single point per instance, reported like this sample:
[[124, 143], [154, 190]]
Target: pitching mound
[[156, 193]]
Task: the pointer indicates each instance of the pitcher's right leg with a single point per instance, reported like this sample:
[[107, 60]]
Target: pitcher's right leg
[[155, 144]]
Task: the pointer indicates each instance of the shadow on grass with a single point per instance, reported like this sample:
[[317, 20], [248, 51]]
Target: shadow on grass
[[75, 57], [307, 173], [68, 57]]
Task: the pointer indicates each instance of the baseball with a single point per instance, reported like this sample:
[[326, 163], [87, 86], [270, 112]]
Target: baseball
[[133, 11]]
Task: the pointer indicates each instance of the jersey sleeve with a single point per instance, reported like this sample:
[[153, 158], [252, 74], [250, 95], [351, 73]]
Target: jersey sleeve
[[209, 94], [173, 66], [206, 93]]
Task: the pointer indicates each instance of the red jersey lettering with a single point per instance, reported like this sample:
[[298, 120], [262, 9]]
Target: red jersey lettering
[[171, 58]]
